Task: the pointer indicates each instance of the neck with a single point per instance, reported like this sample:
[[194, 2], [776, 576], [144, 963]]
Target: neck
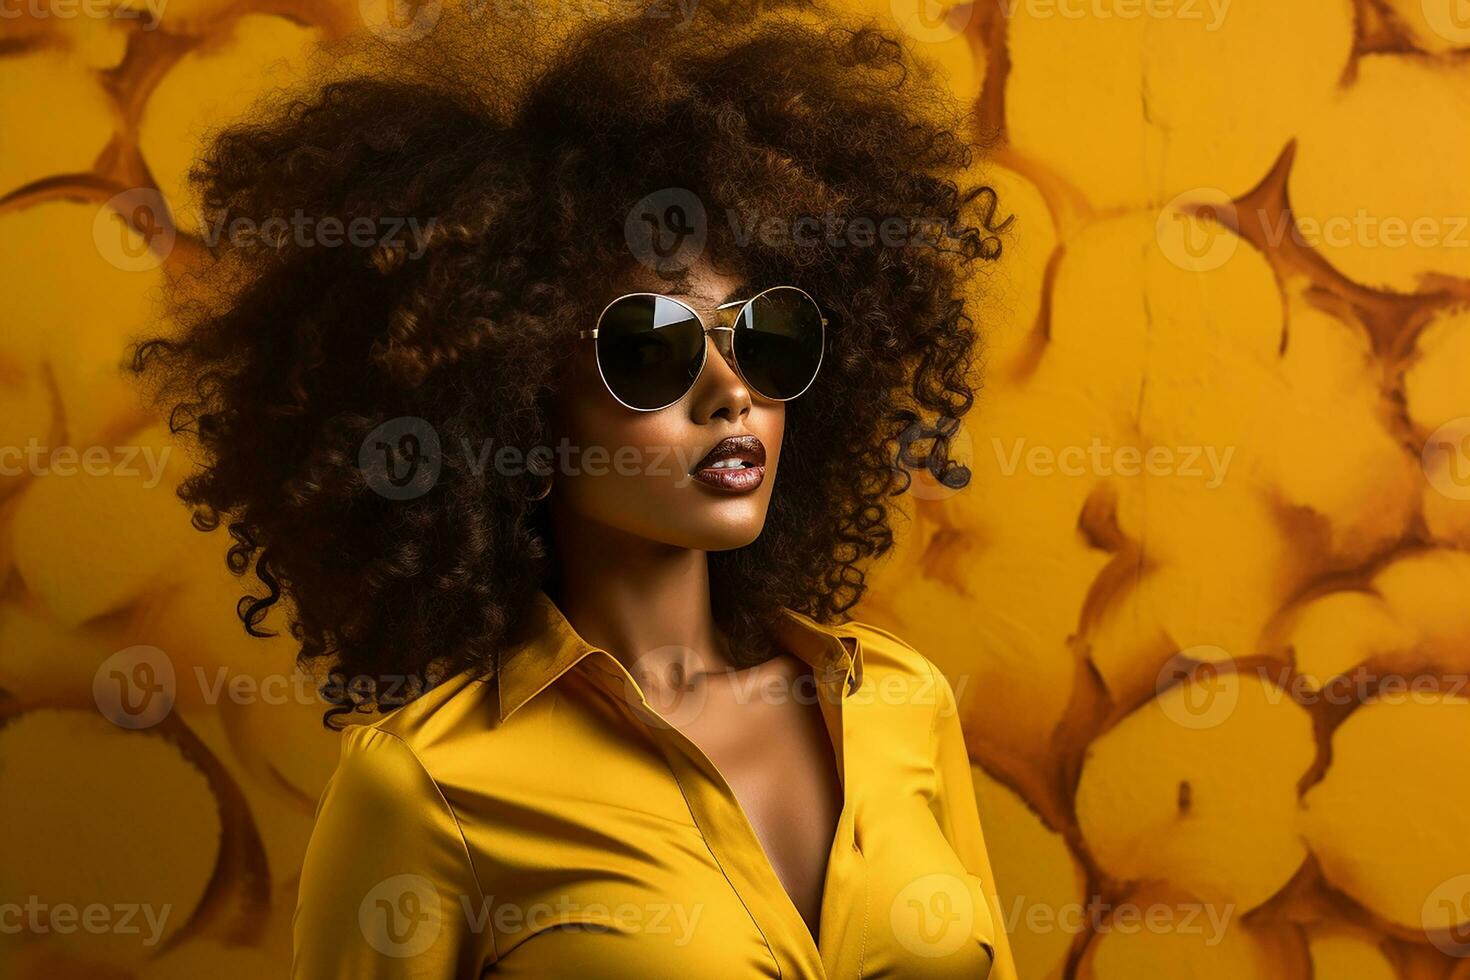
[[644, 602]]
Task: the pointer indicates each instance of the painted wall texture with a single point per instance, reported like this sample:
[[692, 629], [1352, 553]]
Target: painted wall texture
[[1206, 602]]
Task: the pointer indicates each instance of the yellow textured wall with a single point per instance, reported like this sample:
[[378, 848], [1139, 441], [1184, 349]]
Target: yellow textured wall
[[1206, 602]]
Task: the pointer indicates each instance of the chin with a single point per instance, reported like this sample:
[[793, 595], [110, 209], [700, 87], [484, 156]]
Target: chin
[[728, 541], [731, 522], [713, 536], [713, 531]]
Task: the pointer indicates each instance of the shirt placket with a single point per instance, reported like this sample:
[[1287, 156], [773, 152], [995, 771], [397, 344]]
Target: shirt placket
[[844, 902], [732, 840]]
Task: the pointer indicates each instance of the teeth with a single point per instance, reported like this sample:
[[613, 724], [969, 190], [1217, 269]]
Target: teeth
[[727, 464]]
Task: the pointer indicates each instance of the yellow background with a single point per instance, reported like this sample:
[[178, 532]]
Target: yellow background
[[1144, 641]]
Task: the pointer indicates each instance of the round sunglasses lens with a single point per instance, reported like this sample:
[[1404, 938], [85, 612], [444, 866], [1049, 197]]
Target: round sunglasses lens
[[650, 350], [778, 342]]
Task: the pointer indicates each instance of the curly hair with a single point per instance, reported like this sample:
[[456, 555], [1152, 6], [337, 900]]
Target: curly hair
[[521, 165]]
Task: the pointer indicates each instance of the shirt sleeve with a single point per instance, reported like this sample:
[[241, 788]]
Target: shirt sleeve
[[387, 889], [959, 816]]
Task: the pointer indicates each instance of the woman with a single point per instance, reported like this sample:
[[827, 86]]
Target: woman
[[567, 465]]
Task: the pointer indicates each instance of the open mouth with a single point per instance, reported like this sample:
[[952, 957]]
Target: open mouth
[[736, 464]]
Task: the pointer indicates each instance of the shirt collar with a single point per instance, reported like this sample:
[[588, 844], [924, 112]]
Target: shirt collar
[[549, 647]]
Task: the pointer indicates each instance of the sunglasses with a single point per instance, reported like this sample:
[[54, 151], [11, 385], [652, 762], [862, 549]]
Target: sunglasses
[[651, 349]]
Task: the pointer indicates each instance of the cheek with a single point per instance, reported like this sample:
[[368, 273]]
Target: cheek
[[593, 424], [769, 423], [630, 470], [609, 457], [586, 411]]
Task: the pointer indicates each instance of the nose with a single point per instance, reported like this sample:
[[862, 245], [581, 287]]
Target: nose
[[719, 393]]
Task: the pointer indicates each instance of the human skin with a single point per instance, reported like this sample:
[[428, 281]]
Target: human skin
[[655, 500], [632, 547]]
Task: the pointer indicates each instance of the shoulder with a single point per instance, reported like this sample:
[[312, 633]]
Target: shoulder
[[377, 772], [892, 665], [437, 744], [882, 642], [461, 704], [886, 651], [391, 760], [382, 821]]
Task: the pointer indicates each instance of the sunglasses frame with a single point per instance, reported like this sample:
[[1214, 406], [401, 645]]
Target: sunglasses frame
[[738, 306]]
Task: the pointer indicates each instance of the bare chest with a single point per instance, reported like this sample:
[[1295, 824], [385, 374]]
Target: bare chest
[[777, 756]]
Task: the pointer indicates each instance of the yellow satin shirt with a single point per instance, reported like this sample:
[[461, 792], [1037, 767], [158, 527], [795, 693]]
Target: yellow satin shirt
[[549, 823]]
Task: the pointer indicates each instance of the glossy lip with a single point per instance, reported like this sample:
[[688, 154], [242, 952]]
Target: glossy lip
[[749, 450]]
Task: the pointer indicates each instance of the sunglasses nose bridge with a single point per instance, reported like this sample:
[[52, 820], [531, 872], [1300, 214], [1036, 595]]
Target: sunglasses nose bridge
[[724, 340], [720, 328]]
